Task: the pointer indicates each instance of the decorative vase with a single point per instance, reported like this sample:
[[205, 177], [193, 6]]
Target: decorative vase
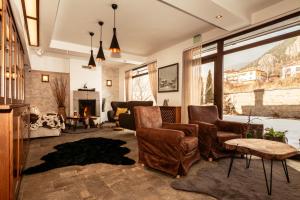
[[62, 112]]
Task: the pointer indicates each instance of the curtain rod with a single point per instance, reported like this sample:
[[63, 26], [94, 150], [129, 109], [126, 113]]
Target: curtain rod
[[142, 65]]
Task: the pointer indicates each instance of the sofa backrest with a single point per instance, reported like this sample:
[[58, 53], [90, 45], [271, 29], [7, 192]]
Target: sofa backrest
[[132, 104], [118, 104], [147, 117]]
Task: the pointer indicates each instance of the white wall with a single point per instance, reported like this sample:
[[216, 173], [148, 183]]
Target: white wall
[[79, 76], [110, 93]]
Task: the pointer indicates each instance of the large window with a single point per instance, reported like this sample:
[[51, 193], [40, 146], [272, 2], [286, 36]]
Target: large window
[[141, 90], [257, 73], [264, 81], [206, 77]]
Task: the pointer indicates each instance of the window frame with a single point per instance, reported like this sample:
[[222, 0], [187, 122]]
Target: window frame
[[218, 57]]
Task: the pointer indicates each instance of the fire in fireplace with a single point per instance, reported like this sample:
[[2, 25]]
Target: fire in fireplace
[[87, 108]]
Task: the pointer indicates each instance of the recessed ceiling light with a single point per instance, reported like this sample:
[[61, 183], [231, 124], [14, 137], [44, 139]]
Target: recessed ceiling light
[[219, 16]]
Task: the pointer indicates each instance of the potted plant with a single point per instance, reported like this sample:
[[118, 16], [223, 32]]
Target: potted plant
[[59, 91], [279, 136]]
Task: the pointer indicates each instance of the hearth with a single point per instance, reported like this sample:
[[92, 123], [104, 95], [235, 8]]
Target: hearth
[[79, 96], [87, 107]]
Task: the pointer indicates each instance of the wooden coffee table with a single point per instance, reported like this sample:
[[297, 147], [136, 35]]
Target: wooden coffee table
[[265, 149]]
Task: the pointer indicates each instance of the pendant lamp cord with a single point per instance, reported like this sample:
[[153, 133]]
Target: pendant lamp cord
[[114, 18], [91, 43], [101, 33]]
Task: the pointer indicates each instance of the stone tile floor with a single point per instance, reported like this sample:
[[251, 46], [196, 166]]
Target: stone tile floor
[[102, 181]]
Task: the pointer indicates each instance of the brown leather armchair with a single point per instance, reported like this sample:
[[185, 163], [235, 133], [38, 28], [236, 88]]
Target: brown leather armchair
[[213, 132], [171, 148]]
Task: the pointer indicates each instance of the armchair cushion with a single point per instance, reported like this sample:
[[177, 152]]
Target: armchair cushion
[[224, 136], [162, 143], [188, 129], [189, 144], [229, 126]]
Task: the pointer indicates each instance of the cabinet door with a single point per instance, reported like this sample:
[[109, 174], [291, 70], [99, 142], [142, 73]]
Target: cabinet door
[[24, 135], [16, 149]]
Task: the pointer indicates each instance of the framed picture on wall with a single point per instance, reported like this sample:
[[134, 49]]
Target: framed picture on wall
[[109, 83], [168, 78], [45, 78]]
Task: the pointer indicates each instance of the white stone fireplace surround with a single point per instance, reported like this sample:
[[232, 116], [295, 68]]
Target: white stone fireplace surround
[[86, 95]]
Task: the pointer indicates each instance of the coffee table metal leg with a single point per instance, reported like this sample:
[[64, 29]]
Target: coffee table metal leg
[[231, 161], [248, 161], [285, 170], [269, 185]]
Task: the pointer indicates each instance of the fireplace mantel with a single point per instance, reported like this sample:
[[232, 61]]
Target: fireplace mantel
[[86, 95]]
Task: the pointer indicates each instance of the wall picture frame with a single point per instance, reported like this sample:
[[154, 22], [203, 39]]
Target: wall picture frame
[[45, 78], [168, 78]]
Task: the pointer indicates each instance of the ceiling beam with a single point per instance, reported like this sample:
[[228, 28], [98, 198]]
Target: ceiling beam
[[72, 47]]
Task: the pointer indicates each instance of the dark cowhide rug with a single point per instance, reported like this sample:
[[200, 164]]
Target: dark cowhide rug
[[242, 183], [84, 152]]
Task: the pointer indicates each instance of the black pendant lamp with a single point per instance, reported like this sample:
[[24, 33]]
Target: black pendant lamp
[[114, 46], [100, 56], [92, 61]]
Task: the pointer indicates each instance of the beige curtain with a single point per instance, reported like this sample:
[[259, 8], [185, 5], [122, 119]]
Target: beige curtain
[[128, 85], [192, 93], [152, 70]]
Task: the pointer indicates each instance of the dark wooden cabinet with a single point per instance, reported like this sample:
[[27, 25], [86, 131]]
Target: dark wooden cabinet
[[171, 114], [14, 114], [14, 144]]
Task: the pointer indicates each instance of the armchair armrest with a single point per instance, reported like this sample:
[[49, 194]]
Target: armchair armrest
[[205, 128], [235, 127], [160, 135], [110, 115], [188, 129]]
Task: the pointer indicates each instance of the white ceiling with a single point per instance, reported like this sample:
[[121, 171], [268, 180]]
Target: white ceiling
[[143, 26]]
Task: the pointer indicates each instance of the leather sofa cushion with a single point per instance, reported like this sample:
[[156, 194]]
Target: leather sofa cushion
[[224, 136], [189, 144]]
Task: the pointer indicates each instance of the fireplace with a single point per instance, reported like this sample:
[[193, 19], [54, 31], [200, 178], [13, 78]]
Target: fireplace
[[87, 107], [85, 97]]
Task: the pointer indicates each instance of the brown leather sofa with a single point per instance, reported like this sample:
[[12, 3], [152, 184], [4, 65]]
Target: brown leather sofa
[[213, 132], [171, 148], [114, 105]]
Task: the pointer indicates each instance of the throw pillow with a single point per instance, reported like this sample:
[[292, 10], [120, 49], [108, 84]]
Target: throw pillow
[[120, 110]]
